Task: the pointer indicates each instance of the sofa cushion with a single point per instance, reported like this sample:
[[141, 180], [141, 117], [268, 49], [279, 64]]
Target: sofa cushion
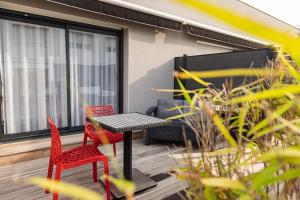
[[164, 106]]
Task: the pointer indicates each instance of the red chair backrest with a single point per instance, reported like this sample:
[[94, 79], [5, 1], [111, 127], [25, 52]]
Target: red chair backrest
[[97, 111], [56, 149]]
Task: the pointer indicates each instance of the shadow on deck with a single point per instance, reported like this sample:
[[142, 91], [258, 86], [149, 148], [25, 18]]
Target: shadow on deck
[[154, 160]]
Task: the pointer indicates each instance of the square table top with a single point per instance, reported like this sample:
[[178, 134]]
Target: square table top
[[127, 122]]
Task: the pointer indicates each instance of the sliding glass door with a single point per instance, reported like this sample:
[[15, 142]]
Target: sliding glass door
[[33, 76], [42, 74], [93, 72]]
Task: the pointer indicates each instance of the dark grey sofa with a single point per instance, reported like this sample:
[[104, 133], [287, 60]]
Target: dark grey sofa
[[172, 132]]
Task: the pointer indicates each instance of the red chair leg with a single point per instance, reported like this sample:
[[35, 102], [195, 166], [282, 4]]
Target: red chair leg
[[57, 178], [114, 146], [107, 183], [95, 174], [49, 175], [84, 138]]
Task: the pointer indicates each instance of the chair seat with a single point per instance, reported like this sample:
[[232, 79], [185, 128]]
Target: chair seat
[[81, 155], [75, 157], [112, 137]]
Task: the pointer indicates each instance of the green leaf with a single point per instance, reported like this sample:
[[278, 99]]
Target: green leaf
[[245, 197], [66, 189], [180, 116], [177, 108], [291, 69], [277, 113], [209, 193], [268, 94], [265, 176], [185, 93], [242, 118], [288, 155], [224, 73], [274, 128], [226, 183], [218, 97], [224, 131], [286, 176], [195, 78], [222, 151]]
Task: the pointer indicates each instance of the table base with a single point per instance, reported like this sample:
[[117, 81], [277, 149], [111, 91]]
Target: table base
[[142, 182]]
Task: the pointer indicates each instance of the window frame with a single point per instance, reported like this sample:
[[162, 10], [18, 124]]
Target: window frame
[[67, 26]]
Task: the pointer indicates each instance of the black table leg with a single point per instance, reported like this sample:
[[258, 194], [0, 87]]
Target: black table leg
[[141, 181], [127, 153]]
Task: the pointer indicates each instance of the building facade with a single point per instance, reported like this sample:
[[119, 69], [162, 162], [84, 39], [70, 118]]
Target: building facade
[[58, 56]]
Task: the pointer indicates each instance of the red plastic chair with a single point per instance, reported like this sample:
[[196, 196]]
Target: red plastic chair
[[78, 156], [100, 136]]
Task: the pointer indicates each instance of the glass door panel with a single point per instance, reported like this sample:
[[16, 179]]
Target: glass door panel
[[93, 72], [33, 76]]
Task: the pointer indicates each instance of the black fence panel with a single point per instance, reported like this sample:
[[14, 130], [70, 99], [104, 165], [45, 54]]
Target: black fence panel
[[242, 59]]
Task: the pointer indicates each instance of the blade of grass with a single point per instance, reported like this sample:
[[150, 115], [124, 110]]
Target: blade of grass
[[209, 193], [291, 69], [223, 183], [225, 73], [224, 131], [185, 93], [195, 78], [173, 90], [66, 189], [180, 116], [275, 114], [286, 176], [223, 151], [242, 118], [268, 94], [274, 128], [267, 173], [289, 155]]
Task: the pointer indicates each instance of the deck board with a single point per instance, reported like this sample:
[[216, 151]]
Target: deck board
[[152, 160]]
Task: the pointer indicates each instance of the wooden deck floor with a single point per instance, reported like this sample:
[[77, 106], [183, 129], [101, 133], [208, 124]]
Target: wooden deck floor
[[154, 160]]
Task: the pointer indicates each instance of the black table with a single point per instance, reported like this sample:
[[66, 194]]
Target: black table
[[127, 123]]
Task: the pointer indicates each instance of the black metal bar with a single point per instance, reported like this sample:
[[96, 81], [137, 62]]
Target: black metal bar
[[127, 155], [1, 101], [121, 71], [37, 134], [184, 66], [67, 33]]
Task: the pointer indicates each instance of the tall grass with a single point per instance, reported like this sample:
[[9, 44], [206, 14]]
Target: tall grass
[[258, 122], [259, 128]]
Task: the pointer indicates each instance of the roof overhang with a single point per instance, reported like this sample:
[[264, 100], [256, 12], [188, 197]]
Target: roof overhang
[[221, 38], [139, 14]]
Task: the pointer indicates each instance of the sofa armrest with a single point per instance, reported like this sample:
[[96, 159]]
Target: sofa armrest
[[151, 110]]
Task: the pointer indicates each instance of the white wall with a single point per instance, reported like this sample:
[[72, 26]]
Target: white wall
[[148, 52], [151, 62]]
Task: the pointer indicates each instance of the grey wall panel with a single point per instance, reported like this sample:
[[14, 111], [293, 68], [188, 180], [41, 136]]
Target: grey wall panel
[[242, 59]]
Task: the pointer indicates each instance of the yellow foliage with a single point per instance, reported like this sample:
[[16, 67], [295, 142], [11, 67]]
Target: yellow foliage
[[66, 189]]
